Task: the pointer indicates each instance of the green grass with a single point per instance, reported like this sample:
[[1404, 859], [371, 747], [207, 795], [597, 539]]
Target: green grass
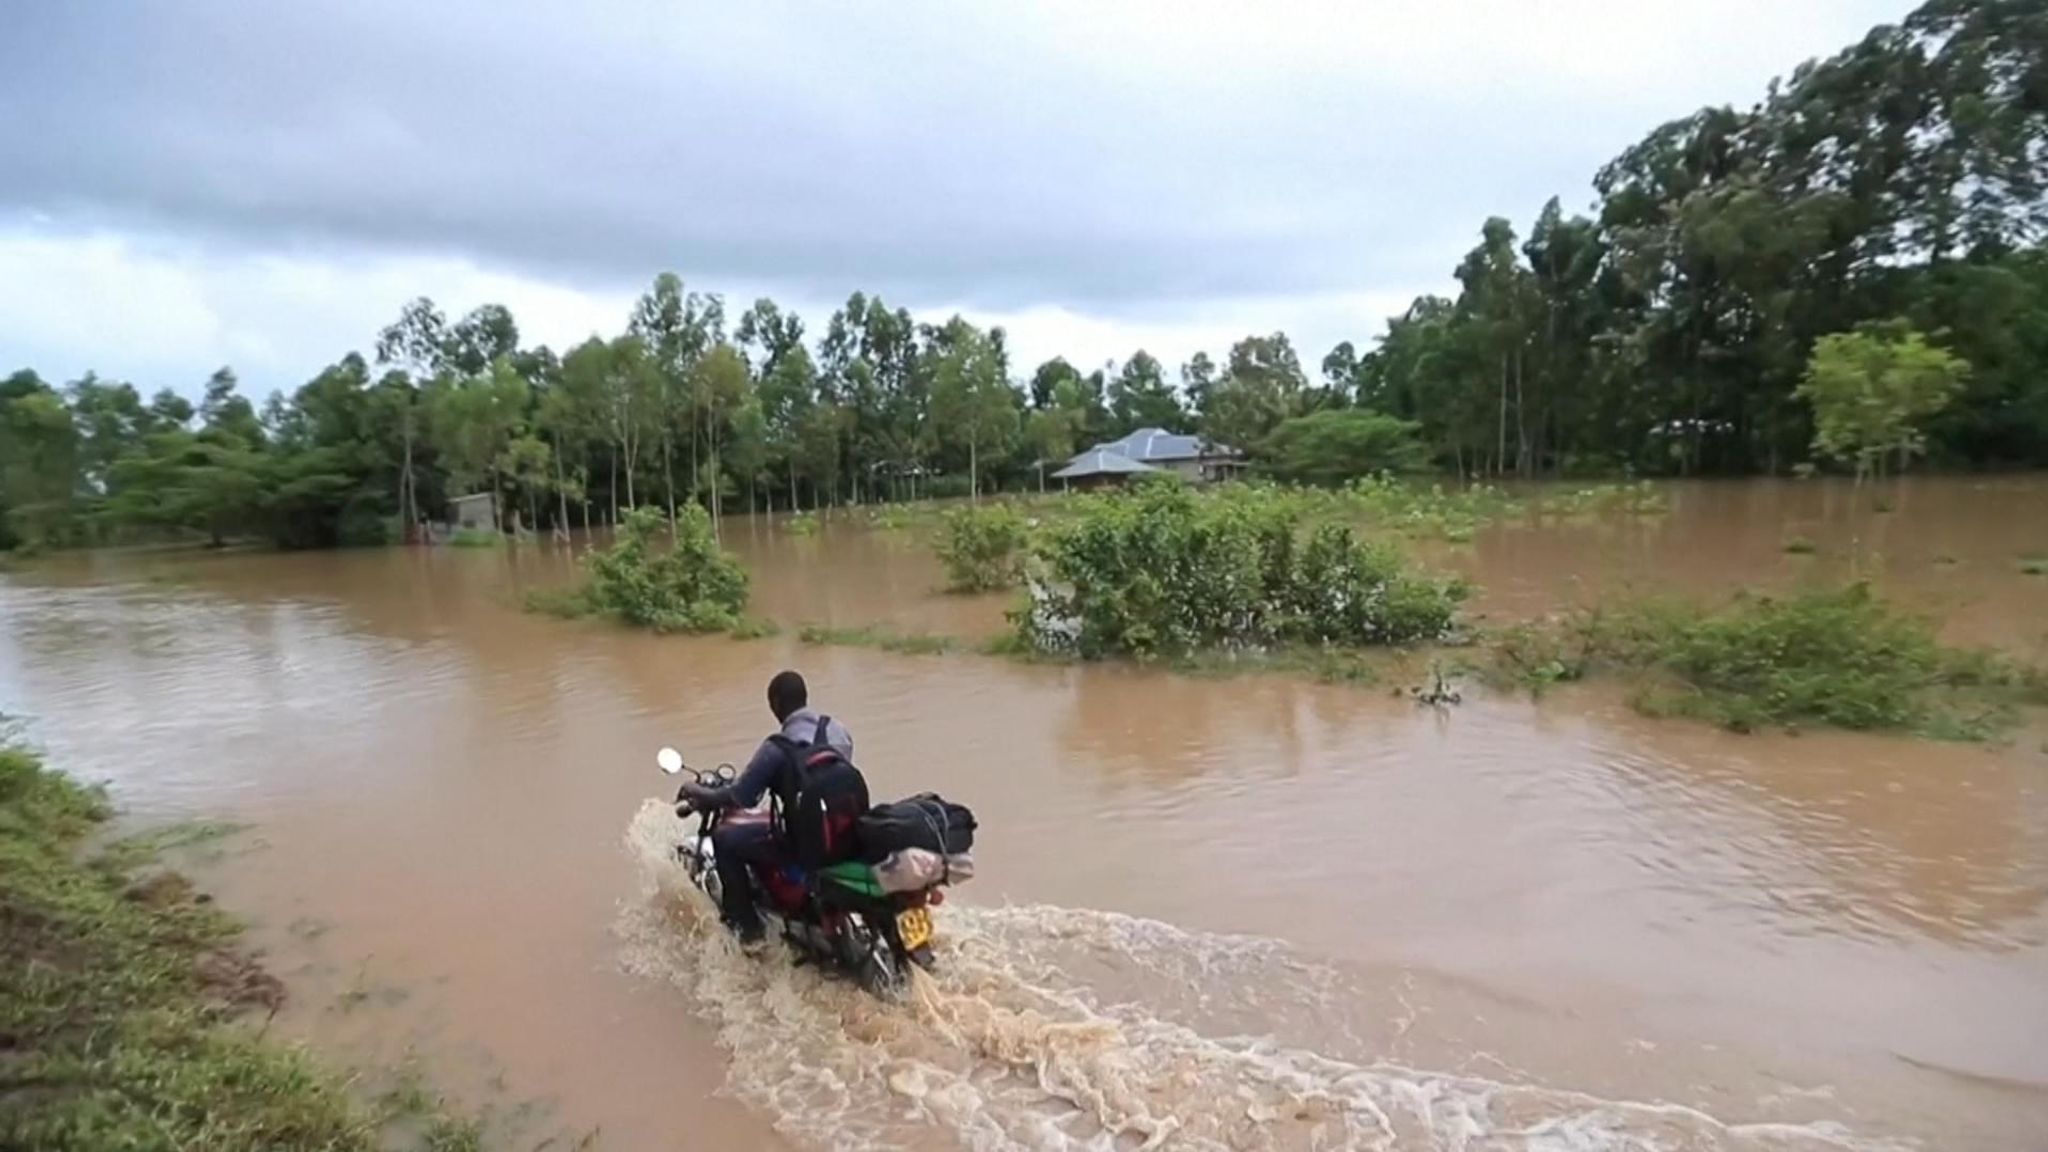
[[476, 538], [1627, 499], [562, 601], [121, 996], [1838, 658], [1801, 546], [1328, 665], [982, 548], [573, 602], [755, 628], [909, 644], [2034, 566]]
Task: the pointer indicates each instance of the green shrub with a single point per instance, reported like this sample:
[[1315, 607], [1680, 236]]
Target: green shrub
[[1836, 657], [1801, 546], [950, 486], [2034, 566], [802, 524], [362, 524], [891, 517], [1339, 444], [982, 547], [694, 586], [1158, 570], [476, 538]]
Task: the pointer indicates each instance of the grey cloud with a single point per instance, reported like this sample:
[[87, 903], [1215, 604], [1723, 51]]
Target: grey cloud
[[938, 152], [919, 150]]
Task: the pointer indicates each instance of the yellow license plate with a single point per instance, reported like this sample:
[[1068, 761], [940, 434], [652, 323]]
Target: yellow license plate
[[914, 925]]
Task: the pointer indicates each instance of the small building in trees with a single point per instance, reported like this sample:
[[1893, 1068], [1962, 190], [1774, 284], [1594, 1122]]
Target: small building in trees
[[1098, 468], [1152, 450], [477, 512]]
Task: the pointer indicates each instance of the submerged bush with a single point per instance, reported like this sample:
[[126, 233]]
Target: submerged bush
[[1161, 570], [982, 547], [1639, 498], [886, 639], [1840, 658], [1386, 502], [694, 586], [1836, 657]]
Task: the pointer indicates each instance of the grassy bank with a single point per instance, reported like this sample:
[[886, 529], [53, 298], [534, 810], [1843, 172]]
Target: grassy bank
[[130, 1018]]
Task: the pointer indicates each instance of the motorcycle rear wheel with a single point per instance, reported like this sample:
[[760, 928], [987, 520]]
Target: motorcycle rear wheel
[[881, 976], [871, 958]]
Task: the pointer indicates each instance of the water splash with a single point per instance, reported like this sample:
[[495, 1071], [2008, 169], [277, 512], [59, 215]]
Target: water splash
[[1055, 1028]]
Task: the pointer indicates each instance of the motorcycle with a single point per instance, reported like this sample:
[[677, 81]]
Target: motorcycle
[[838, 915]]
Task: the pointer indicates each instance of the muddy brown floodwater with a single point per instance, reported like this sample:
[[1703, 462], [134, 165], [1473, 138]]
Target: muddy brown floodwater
[[1238, 914]]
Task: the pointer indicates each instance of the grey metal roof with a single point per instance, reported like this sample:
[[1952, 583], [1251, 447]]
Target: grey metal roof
[[1148, 444], [1101, 461]]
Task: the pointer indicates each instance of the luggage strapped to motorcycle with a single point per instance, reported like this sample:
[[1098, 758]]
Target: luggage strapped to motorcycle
[[926, 820]]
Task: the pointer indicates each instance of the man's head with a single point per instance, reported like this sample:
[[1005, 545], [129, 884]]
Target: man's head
[[786, 694]]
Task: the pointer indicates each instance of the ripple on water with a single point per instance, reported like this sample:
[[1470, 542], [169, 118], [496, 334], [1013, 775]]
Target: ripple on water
[[161, 669], [1057, 1028]]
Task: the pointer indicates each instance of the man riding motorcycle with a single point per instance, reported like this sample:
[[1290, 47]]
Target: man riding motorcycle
[[773, 769]]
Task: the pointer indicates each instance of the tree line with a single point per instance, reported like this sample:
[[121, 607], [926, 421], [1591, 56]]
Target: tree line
[[1900, 181], [1893, 192]]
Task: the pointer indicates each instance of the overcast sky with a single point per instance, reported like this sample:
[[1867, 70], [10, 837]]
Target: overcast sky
[[264, 184]]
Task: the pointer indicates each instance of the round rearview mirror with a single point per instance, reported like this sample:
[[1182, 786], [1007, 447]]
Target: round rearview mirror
[[671, 761]]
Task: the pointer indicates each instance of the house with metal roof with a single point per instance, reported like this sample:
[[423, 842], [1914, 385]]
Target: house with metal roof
[[1100, 466], [1152, 450]]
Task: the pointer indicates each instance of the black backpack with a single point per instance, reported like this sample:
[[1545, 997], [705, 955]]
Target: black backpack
[[826, 798]]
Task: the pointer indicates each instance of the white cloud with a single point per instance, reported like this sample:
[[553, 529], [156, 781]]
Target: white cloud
[[166, 313], [161, 313], [1315, 323]]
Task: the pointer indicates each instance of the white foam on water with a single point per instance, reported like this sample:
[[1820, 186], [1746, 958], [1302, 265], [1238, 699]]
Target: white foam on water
[[1010, 1046]]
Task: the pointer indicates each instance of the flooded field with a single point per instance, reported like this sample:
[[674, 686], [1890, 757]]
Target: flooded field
[[1254, 913]]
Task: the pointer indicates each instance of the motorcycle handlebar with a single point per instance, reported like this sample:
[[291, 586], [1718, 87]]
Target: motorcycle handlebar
[[711, 778]]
